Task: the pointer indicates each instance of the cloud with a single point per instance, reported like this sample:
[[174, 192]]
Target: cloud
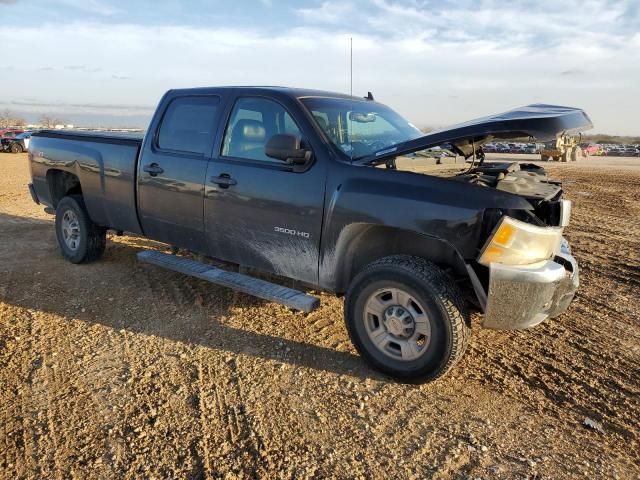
[[98, 7], [327, 12], [413, 56], [573, 71], [8, 2], [82, 68]]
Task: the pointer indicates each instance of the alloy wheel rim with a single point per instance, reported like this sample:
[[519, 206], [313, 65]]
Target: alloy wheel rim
[[71, 229]]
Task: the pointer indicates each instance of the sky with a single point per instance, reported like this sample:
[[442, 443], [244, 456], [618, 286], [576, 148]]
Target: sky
[[100, 62]]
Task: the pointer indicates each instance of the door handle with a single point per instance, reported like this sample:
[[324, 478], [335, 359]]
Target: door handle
[[153, 169], [224, 180]]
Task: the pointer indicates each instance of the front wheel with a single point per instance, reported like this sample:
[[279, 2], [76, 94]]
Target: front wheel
[[80, 239], [407, 318], [16, 148]]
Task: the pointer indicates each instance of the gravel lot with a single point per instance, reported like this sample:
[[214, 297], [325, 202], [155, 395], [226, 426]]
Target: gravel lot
[[123, 370]]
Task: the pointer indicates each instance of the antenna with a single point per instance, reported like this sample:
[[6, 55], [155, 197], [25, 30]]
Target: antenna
[[351, 66]]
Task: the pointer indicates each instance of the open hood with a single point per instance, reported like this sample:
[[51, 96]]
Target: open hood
[[542, 122]]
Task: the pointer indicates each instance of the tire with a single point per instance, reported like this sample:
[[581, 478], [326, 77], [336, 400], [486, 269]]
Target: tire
[[544, 158], [80, 240], [576, 153], [441, 325], [16, 148]]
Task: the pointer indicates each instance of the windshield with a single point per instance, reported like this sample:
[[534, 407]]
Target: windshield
[[360, 127]]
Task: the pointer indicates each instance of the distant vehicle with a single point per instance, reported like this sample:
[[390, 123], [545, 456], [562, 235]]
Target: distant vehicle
[[520, 149], [616, 151], [17, 144], [591, 149], [531, 148], [563, 149], [502, 148], [489, 148], [10, 132]]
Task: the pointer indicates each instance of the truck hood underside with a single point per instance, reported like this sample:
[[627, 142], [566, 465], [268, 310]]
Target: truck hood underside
[[542, 122]]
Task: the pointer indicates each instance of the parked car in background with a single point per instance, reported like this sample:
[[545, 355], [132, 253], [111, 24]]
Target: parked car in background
[[502, 148], [489, 148], [591, 148], [17, 144], [10, 132]]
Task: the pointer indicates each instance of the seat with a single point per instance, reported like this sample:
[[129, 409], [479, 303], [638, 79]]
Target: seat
[[247, 140]]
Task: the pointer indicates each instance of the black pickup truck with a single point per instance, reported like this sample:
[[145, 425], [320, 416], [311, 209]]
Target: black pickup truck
[[302, 184]]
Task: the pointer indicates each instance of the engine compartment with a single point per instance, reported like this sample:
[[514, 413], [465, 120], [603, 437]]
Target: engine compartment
[[527, 180]]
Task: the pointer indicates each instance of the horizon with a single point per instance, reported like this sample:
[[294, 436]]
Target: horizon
[[107, 63]]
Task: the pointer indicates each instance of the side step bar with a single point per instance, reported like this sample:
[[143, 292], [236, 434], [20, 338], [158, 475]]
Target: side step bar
[[237, 281]]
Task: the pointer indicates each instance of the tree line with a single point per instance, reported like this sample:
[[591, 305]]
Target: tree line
[[10, 119]]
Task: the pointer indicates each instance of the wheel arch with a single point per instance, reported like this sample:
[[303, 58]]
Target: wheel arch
[[62, 183], [362, 244]]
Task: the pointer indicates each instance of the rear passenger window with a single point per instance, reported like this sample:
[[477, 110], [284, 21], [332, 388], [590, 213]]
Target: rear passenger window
[[189, 125], [253, 121]]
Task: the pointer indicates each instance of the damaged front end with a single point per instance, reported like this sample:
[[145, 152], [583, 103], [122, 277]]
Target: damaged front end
[[526, 180], [525, 272], [522, 296]]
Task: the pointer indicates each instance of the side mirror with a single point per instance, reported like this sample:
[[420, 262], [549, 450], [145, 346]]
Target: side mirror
[[288, 148]]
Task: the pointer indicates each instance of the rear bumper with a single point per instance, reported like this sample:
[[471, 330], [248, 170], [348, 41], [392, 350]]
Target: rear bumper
[[523, 296]]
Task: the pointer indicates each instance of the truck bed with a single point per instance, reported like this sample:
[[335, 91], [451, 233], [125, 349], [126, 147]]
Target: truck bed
[[104, 162]]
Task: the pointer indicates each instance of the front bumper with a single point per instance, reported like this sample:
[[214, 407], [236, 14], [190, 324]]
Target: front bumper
[[522, 296]]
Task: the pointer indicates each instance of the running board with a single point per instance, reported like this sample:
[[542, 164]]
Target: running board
[[237, 281]]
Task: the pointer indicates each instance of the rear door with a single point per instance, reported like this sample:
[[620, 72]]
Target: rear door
[[172, 169], [258, 211]]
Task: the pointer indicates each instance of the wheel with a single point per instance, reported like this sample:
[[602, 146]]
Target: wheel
[[16, 148], [566, 156], [576, 153], [80, 240], [544, 158], [407, 318]]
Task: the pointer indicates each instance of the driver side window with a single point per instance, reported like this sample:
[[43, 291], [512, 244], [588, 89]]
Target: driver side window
[[253, 121]]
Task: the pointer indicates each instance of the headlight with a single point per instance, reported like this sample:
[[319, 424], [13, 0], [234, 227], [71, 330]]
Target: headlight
[[518, 243]]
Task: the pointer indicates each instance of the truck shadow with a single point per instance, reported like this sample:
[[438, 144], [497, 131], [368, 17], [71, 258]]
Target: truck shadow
[[119, 293]]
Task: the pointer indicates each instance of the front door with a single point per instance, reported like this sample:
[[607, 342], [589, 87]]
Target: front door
[[258, 212], [172, 170]]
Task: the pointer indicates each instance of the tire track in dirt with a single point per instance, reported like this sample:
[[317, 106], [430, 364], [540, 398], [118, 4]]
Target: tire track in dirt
[[165, 376]]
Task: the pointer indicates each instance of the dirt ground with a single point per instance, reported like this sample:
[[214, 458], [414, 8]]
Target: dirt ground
[[122, 370]]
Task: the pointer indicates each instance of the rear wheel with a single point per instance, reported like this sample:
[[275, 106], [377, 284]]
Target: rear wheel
[[80, 239], [407, 318], [16, 148]]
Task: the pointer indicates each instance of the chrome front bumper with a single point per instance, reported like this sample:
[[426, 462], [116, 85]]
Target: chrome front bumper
[[522, 296]]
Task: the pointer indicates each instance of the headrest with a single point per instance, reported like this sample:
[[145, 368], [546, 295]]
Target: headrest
[[248, 131]]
